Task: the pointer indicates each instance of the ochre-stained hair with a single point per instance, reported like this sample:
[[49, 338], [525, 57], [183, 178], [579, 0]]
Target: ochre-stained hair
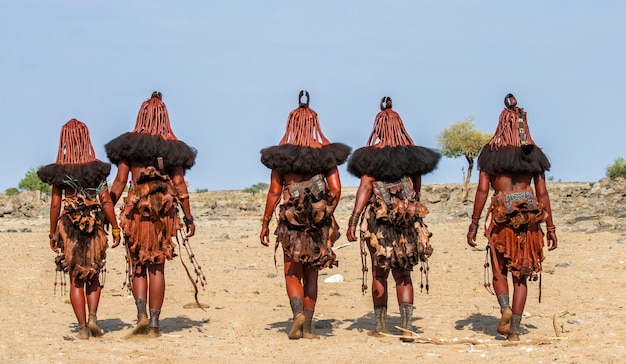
[[508, 132], [153, 118], [303, 127], [74, 144], [388, 130]]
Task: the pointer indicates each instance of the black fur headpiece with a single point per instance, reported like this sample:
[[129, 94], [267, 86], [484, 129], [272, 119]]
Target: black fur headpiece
[[528, 159], [289, 158], [393, 163], [89, 174], [146, 148]]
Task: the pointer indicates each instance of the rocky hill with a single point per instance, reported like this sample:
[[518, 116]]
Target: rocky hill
[[579, 206]]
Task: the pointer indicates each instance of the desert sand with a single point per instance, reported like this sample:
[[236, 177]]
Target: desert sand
[[581, 317]]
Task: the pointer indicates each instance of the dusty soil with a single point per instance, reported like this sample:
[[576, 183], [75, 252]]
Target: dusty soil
[[581, 318]]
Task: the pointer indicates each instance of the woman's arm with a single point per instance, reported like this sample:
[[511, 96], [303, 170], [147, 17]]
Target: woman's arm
[[542, 195], [55, 212], [178, 179], [363, 194], [119, 183], [482, 191], [417, 186], [109, 212], [273, 198], [334, 184]]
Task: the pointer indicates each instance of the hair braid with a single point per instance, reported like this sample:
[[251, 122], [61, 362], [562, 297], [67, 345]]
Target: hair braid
[[512, 127], [303, 127], [153, 118], [388, 130], [74, 144]]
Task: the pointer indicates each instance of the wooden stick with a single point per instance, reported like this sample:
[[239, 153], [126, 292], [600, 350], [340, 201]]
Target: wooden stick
[[420, 340]]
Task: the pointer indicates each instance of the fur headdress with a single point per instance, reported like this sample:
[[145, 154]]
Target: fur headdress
[[152, 138], [76, 159], [511, 148], [390, 153], [304, 149]]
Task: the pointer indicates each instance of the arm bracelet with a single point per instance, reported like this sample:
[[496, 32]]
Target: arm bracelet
[[473, 228], [354, 219], [266, 219], [551, 228], [187, 221], [115, 232]]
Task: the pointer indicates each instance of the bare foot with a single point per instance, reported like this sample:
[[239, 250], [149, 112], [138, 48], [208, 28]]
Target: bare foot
[[154, 332], [83, 334], [505, 322], [512, 337], [142, 325], [309, 335], [375, 333], [93, 326], [296, 328]]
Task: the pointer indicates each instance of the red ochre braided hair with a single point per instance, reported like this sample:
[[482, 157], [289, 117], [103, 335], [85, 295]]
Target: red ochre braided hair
[[512, 127], [74, 144], [153, 118], [388, 130], [303, 126]]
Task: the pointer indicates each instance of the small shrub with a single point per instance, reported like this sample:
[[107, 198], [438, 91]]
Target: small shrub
[[617, 169], [11, 191]]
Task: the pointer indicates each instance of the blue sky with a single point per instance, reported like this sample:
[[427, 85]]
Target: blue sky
[[230, 72]]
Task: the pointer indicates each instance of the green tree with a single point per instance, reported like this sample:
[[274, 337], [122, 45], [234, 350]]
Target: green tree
[[617, 169], [31, 182], [256, 188], [261, 186], [461, 139]]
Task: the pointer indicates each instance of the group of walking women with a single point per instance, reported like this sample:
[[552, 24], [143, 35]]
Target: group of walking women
[[388, 215]]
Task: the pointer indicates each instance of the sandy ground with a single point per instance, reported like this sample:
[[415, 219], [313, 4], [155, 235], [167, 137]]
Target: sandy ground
[[581, 318]]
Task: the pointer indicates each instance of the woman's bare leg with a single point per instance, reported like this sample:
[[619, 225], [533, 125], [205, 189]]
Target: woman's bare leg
[[93, 290], [295, 291], [77, 298], [156, 289], [140, 292]]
